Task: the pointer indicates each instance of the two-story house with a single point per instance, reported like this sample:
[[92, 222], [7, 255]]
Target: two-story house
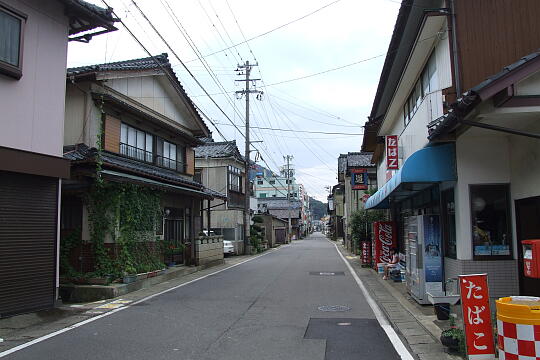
[[34, 38], [131, 129], [358, 176], [458, 91], [220, 166]]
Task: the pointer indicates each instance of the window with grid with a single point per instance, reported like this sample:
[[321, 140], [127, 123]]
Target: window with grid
[[171, 156], [135, 143], [235, 179], [11, 35]]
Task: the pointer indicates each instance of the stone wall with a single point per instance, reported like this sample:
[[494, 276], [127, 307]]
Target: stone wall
[[209, 249]]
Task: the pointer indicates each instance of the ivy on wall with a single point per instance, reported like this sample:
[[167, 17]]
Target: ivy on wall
[[127, 215]]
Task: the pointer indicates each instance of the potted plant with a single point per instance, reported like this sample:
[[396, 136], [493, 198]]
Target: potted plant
[[130, 275], [453, 338]]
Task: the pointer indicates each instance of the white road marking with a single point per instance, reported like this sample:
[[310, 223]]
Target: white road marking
[[394, 338], [87, 321]]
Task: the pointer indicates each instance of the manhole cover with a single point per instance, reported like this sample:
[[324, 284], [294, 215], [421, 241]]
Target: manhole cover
[[334, 308]]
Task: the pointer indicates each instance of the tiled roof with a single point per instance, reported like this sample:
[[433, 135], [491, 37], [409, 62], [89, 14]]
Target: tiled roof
[[284, 213], [82, 152], [223, 149], [146, 63], [471, 98], [85, 16]]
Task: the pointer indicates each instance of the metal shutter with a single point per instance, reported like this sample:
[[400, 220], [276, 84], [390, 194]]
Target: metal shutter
[[28, 219]]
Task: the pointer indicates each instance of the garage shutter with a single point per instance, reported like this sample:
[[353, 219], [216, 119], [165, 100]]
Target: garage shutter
[[28, 217]]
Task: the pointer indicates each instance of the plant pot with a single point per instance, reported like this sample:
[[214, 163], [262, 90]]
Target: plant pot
[[449, 341], [442, 310], [127, 279]]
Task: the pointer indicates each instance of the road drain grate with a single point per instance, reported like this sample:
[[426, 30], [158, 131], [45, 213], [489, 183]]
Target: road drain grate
[[334, 308], [327, 273]]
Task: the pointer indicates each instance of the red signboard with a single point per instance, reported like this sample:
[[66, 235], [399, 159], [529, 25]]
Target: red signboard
[[392, 152], [477, 316], [359, 179], [366, 252], [385, 239]]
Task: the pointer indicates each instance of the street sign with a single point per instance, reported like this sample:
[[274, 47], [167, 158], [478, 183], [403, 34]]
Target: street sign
[[477, 316]]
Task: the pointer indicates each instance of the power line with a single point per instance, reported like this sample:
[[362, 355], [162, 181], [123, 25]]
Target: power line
[[300, 131], [270, 31]]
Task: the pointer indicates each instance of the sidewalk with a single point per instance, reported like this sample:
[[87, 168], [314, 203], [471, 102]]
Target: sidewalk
[[23, 328], [413, 322]]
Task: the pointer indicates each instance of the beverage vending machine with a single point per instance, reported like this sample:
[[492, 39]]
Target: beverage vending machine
[[423, 254], [384, 239]]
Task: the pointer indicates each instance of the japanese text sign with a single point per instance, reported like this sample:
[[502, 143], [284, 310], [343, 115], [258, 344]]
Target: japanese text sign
[[359, 179], [392, 152], [477, 316], [366, 252]]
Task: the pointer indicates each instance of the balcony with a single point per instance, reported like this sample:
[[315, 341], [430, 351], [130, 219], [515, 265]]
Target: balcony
[[136, 153], [133, 152], [235, 200]]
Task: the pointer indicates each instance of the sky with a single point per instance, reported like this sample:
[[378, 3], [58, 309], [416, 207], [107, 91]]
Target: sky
[[341, 32]]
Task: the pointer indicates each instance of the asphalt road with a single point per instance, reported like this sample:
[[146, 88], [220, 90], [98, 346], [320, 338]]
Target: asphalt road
[[267, 308]]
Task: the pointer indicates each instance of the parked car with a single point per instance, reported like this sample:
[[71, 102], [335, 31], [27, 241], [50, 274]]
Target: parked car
[[228, 247]]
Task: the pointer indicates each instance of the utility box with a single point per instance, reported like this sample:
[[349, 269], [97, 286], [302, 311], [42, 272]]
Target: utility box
[[531, 258]]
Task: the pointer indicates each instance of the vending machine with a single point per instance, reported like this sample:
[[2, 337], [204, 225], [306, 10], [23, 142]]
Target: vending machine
[[424, 258]]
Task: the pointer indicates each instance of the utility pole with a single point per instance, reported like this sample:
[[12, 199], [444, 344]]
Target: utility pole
[[246, 92], [288, 177]]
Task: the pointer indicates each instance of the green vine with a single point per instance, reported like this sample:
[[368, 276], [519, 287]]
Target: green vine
[[67, 245], [125, 214]]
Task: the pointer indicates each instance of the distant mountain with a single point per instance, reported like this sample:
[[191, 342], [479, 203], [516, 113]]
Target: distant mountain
[[318, 208]]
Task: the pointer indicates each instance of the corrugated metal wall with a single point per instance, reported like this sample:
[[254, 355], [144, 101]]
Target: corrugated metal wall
[[28, 220]]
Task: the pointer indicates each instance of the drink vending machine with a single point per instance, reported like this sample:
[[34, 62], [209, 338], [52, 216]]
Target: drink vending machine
[[423, 253]]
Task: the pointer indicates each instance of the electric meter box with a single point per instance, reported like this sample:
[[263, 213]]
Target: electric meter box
[[531, 258]]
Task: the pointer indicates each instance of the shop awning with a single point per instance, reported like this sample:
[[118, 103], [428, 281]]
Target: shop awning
[[425, 167]]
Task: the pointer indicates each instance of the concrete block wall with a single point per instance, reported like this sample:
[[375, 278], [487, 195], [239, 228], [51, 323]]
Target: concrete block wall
[[209, 249], [503, 278]]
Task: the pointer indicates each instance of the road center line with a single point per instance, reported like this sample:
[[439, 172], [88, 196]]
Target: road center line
[[87, 321], [388, 329]]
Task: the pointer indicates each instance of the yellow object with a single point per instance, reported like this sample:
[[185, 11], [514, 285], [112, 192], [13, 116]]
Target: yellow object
[[519, 310]]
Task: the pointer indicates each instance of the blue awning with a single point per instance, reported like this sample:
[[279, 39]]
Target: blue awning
[[433, 164]]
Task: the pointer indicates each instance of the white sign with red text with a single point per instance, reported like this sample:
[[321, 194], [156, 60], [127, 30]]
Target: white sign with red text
[[392, 152], [477, 316]]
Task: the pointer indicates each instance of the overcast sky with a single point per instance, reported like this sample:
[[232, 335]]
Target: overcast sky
[[342, 33]]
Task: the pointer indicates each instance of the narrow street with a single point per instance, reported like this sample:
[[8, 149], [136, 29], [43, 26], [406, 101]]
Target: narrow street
[[267, 308]]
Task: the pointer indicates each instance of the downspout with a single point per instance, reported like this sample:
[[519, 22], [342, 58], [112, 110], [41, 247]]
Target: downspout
[[455, 55]]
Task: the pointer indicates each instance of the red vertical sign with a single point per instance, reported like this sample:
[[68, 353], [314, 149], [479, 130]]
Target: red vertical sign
[[392, 152], [477, 316], [385, 240]]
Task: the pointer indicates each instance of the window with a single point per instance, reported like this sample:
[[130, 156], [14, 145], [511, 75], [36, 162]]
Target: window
[[171, 156], [490, 221], [198, 175], [11, 40], [288, 181], [262, 195], [135, 143], [235, 179], [260, 182], [426, 83], [272, 182]]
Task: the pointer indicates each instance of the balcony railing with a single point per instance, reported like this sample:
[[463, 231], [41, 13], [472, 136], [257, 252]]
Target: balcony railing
[[147, 156], [136, 153], [170, 164]]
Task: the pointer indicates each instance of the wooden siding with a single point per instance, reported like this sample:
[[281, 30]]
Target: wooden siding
[[492, 34], [190, 161], [112, 134]]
